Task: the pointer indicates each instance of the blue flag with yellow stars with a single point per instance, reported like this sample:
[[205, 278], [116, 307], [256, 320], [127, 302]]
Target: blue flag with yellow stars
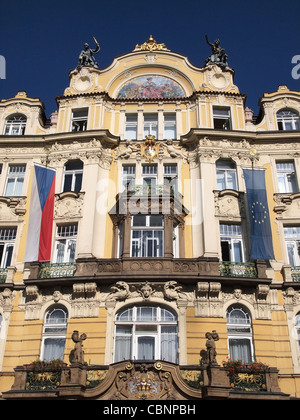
[[261, 235]]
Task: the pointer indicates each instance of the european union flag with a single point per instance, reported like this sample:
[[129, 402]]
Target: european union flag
[[261, 235]]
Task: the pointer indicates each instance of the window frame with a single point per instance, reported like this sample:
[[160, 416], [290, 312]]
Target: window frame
[[11, 123], [170, 126], [81, 120], [288, 116], [142, 244], [131, 126], [7, 241], [232, 238], [233, 332], [224, 173], [286, 185], [74, 173], [65, 238], [220, 118], [17, 178], [150, 124], [145, 328], [51, 334], [292, 239]]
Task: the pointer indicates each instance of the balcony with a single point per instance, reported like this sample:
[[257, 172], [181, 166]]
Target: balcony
[[295, 273], [48, 270], [3, 275], [238, 269]]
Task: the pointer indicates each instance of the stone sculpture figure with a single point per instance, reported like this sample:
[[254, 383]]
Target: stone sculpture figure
[[86, 56], [77, 354], [211, 353]]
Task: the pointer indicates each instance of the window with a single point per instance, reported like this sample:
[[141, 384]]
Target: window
[[149, 175], [131, 127], [7, 241], [128, 177], [54, 334], [15, 125], [170, 126], [286, 176], [231, 243], [288, 120], [65, 244], [222, 119], [239, 331], [79, 119], [226, 175], [15, 180], [292, 242], [150, 125], [147, 236], [171, 177], [146, 333], [73, 176]]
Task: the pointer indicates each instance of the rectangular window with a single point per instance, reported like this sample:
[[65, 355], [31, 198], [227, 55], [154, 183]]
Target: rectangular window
[[15, 180], [79, 119], [286, 176], [150, 125], [149, 175], [231, 243], [171, 177], [65, 244], [222, 118], [73, 172], [292, 241], [170, 126], [226, 175], [147, 236], [128, 177], [131, 127], [7, 241]]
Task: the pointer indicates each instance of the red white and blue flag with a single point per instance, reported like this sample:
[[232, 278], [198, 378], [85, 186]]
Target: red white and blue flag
[[39, 237]]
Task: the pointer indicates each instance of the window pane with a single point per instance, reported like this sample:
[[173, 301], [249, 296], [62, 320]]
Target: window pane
[[146, 348], [68, 182], [10, 187], [54, 348], [240, 349], [169, 343], [78, 182]]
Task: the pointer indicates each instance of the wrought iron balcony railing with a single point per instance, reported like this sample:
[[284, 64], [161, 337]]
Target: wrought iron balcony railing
[[3, 275], [295, 272], [237, 269], [48, 270]]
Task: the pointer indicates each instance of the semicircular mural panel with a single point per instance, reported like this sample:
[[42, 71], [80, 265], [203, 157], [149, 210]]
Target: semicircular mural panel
[[151, 87]]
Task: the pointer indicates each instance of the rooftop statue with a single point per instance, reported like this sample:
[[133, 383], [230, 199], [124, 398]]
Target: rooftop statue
[[218, 55], [86, 56]]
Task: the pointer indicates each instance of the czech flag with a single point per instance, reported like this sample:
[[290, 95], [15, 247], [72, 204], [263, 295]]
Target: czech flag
[[39, 237]]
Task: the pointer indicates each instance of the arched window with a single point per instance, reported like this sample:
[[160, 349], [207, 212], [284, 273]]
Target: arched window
[[288, 120], [146, 333], [73, 175], [54, 333], [15, 125], [239, 331]]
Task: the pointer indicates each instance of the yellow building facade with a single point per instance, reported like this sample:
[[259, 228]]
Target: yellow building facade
[[151, 228]]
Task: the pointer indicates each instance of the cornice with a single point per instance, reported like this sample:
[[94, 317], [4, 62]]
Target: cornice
[[103, 135]]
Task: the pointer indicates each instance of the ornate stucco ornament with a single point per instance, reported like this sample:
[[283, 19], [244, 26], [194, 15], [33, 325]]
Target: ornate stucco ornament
[[150, 45], [150, 148]]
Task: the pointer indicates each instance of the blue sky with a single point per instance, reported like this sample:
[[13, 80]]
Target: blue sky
[[41, 40]]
